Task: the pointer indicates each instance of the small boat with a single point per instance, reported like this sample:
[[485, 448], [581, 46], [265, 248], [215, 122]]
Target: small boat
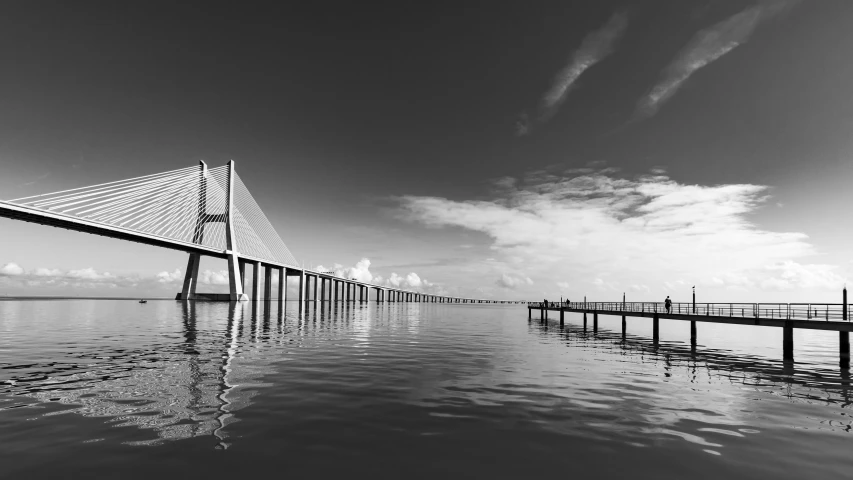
[[143, 301]]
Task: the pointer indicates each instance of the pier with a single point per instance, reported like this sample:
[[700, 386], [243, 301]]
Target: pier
[[787, 316]]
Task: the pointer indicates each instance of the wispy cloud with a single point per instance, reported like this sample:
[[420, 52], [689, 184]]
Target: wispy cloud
[[705, 47], [650, 235], [594, 48]]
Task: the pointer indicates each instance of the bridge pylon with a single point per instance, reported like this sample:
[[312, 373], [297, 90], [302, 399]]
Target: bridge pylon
[[235, 280]]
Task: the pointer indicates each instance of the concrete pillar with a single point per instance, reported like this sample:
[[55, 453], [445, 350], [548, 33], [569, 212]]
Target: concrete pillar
[[323, 290], [655, 329], [267, 283], [256, 281], [282, 285], [301, 293], [191, 277], [788, 341], [242, 275], [316, 279]]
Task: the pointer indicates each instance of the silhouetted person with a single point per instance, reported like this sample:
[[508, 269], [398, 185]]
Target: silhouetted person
[[668, 304]]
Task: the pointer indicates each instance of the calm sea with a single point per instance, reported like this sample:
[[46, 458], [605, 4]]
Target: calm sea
[[117, 389]]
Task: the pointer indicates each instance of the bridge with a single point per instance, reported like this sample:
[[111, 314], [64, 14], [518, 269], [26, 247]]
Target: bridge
[[203, 211], [787, 316]]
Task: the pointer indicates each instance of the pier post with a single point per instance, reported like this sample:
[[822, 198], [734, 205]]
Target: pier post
[[624, 327], [788, 341], [541, 314], [584, 321], [562, 315], [529, 314], [656, 329], [844, 337], [595, 322], [693, 333], [323, 290]]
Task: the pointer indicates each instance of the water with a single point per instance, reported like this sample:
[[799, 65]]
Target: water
[[109, 388]]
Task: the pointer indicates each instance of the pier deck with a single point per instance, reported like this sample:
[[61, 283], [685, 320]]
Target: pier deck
[[834, 317]]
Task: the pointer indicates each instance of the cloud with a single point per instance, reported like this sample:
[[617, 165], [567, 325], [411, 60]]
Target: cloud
[[513, 281], [89, 274], [11, 269], [595, 47], [166, 277], [705, 47], [210, 277], [613, 233]]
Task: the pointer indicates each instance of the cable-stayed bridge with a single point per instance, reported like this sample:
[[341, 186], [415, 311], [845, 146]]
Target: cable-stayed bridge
[[202, 211]]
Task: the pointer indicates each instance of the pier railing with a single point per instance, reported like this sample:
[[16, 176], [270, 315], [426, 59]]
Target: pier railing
[[787, 311]]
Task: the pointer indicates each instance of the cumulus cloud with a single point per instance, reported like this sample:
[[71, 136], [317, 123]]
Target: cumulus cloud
[[170, 277], [512, 281], [89, 274], [614, 233], [705, 47], [11, 269], [211, 277], [595, 47]]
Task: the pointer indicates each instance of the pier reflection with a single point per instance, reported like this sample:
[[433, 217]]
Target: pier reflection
[[797, 381]]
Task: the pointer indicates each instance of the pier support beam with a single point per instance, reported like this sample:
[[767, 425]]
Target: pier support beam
[[693, 333], [844, 350], [624, 327], [562, 316], [656, 329], [788, 341], [584, 321], [594, 322]]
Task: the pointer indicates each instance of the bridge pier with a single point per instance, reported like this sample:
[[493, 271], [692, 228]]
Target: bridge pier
[[256, 281], [788, 341], [301, 293], [316, 278], [267, 283], [282, 286]]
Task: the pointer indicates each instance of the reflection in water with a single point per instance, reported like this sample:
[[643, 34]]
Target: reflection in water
[[375, 383], [180, 391]]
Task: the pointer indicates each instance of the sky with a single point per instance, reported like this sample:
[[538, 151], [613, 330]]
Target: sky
[[503, 150]]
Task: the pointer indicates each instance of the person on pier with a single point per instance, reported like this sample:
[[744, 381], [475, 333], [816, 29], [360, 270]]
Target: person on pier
[[668, 304]]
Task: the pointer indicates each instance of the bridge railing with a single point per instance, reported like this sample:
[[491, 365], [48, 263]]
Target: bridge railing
[[785, 311]]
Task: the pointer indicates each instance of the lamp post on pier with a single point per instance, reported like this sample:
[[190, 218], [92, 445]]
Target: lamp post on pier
[[694, 299]]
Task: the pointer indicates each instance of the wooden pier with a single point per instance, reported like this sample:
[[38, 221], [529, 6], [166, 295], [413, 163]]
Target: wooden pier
[[787, 316]]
